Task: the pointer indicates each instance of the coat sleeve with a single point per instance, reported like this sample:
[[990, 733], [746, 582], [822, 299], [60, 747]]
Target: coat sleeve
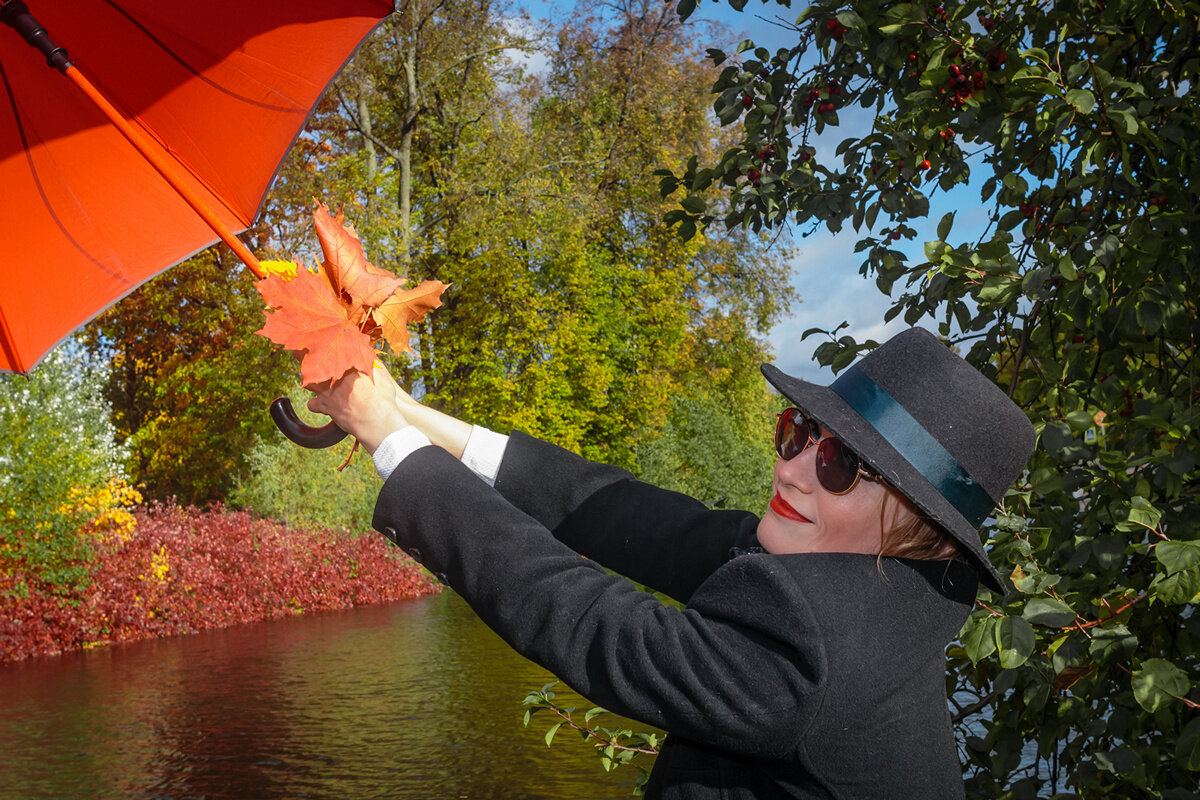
[[736, 670], [664, 540]]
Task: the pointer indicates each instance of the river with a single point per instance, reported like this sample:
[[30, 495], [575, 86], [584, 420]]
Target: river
[[412, 700]]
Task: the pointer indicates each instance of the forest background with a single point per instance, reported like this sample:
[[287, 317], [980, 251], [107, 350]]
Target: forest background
[[618, 201]]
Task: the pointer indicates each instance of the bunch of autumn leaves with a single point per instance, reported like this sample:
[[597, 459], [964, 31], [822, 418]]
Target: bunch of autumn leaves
[[332, 318]]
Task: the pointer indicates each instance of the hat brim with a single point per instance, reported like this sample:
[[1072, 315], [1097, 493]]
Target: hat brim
[[824, 405]]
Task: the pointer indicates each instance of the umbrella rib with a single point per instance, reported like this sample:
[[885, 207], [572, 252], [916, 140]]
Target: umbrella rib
[[201, 76]]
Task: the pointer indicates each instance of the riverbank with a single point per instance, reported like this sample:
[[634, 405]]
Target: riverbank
[[182, 570]]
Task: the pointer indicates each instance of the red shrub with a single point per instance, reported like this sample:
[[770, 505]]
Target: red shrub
[[186, 570]]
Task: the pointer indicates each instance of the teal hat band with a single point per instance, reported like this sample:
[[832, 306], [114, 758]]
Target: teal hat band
[[915, 444]]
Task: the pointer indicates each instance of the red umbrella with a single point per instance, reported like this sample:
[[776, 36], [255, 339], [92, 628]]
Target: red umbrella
[[214, 93]]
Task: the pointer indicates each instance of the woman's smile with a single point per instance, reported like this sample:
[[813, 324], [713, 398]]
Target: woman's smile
[[781, 507]]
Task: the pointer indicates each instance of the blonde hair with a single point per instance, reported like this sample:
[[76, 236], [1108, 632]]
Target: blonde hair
[[913, 534]]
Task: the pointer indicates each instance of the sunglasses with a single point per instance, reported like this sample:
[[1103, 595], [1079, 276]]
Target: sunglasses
[[838, 467]]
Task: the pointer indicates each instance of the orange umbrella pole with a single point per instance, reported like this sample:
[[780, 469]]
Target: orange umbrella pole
[[165, 169], [16, 14]]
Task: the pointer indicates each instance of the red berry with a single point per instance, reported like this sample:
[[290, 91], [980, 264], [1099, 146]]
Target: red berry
[[912, 56], [924, 164], [895, 235], [805, 155], [753, 175], [747, 101], [996, 58]]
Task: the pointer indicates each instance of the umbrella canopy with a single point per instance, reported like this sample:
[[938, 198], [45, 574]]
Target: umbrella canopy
[[219, 90]]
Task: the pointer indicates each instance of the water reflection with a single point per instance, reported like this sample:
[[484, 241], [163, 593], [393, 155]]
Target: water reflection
[[414, 700]]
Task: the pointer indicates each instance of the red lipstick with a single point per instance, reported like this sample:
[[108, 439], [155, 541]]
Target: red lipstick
[[780, 507]]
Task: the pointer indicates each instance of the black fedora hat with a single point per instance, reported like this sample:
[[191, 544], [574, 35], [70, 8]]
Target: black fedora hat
[[931, 425]]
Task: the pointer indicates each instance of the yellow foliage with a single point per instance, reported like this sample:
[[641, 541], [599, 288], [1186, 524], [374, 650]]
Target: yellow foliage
[[159, 564], [284, 269], [107, 507]]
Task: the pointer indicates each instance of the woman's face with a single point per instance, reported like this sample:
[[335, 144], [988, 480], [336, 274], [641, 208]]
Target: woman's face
[[804, 517]]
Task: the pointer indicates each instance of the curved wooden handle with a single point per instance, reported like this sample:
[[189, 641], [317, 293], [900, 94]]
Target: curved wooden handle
[[304, 435]]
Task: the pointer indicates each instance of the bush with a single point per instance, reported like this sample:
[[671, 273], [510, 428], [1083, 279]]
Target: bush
[[185, 570], [302, 487], [60, 469]]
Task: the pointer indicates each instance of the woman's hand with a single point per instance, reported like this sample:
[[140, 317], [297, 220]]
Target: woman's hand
[[366, 409]]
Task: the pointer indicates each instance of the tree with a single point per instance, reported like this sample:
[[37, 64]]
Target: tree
[[573, 311], [189, 384], [1077, 125]]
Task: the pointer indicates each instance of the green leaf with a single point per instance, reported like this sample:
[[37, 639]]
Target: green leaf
[[1082, 100], [1113, 644], [1120, 761], [550, 733], [1048, 611], [693, 204], [1127, 121], [1015, 640], [1141, 516], [1176, 556], [1157, 683], [1187, 746], [977, 637], [1178, 588], [944, 226]]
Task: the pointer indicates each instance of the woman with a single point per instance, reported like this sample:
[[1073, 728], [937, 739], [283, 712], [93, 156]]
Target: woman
[[809, 660]]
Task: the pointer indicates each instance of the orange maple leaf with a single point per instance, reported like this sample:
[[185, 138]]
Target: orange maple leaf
[[346, 265], [331, 318], [404, 307], [313, 322]]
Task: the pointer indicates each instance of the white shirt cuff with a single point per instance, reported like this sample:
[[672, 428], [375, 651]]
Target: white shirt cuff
[[397, 446], [484, 452]]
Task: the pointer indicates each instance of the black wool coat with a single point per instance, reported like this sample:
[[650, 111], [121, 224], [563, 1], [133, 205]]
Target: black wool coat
[[803, 675]]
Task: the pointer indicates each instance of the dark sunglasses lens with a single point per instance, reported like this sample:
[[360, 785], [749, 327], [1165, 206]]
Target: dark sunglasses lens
[[837, 465], [791, 434]]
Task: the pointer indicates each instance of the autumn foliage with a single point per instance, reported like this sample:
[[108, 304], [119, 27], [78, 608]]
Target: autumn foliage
[[185, 570], [333, 316]]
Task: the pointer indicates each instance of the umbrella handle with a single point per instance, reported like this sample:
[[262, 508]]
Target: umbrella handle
[[304, 435]]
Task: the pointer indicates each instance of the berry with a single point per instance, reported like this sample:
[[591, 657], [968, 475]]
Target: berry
[[895, 235], [754, 175], [835, 28], [747, 101], [805, 155], [924, 164], [996, 58]]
